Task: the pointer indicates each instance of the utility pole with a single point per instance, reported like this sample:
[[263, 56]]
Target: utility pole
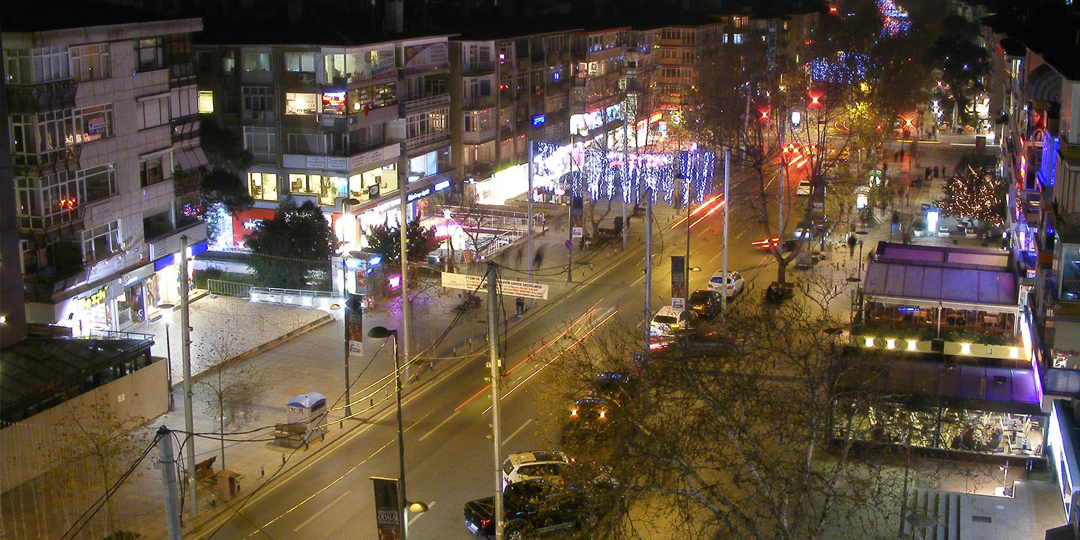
[[167, 464], [529, 204], [185, 351], [403, 171], [727, 208], [626, 172], [496, 374]]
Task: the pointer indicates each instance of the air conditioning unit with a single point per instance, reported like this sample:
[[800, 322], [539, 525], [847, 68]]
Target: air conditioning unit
[[304, 77]]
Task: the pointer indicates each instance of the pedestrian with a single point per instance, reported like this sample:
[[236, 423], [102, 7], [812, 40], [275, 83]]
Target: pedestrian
[[928, 173], [896, 156], [901, 154], [262, 470], [943, 171], [935, 171], [283, 459]]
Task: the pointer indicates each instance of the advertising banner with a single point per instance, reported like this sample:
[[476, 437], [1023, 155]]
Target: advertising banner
[[678, 281], [387, 513], [426, 57], [354, 324]]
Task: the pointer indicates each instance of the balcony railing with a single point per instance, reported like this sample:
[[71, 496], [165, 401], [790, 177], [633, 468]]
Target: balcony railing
[[427, 138], [428, 102]]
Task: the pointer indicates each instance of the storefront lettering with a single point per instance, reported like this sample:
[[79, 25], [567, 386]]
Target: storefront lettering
[[97, 297], [252, 224]]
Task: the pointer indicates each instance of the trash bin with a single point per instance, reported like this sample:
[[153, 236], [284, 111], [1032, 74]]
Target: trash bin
[[228, 485]]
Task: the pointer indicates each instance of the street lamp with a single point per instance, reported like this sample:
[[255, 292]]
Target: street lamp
[[166, 317], [404, 507], [350, 304]]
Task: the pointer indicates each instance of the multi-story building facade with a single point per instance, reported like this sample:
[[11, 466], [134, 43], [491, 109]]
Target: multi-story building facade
[[106, 165], [599, 87], [325, 124], [507, 91]]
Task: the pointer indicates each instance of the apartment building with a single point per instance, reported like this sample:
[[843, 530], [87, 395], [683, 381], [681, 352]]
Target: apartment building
[[106, 164], [324, 123], [508, 90], [599, 88]]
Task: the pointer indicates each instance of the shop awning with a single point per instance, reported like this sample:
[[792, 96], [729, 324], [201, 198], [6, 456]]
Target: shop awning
[[191, 158], [1064, 532], [1010, 390], [922, 284]]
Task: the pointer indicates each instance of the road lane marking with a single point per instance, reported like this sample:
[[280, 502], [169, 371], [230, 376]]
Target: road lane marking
[[514, 434], [417, 516], [320, 512], [441, 424]]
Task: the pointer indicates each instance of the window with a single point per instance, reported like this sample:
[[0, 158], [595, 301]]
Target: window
[[300, 62], [369, 98], [99, 182], [152, 113], [301, 103], [262, 186], [258, 98], [51, 64], [506, 52], [151, 171], [429, 123], [157, 223], [206, 101], [306, 143], [90, 62], [261, 142], [737, 38], [18, 66], [149, 54], [478, 121], [254, 61], [228, 62], [305, 184], [101, 242], [91, 124], [204, 61]]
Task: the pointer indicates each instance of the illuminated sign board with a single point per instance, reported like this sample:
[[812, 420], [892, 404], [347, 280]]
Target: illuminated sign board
[[439, 186], [418, 194], [539, 120], [95, 298]]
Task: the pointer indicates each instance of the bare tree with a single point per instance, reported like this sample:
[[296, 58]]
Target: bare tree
[[231, 388]]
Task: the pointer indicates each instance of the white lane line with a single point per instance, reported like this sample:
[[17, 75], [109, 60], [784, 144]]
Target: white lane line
[[417, 516], [319, 513], [441, 424], [514, 434]]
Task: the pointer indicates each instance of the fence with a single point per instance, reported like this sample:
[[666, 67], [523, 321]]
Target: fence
[[293, 297], [229, 288]]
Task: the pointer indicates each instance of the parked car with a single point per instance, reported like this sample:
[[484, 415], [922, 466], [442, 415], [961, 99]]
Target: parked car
[[590, 416], [943, 230], [734, 283], [537, 508], [667, 321], [616, 386], [803, 188], [704, 303], [529, 465]]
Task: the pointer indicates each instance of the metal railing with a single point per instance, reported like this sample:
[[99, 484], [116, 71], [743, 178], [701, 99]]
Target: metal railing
[[229, 288], [293, 297]]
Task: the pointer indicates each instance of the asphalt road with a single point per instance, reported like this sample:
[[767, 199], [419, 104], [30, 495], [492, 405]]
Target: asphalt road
[[447, 423]]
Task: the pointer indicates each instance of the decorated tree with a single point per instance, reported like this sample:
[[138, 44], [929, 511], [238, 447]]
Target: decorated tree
[[976, 194], [294, 248]]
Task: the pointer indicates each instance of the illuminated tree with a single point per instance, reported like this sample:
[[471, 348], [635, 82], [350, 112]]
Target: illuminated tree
[[976, 194]]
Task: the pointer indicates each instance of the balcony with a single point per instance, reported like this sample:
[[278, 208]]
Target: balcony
[[427, 103], [259, 117], [354, 163], [427, 139], [185, 129], [478, 103], [478, 68], [478, 137], [37, 165], [181, 74], [50, 96], [291, 79]]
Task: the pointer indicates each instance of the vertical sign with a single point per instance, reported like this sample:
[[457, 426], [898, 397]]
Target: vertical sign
[[387, 513], [678, 282], [354, 324], [577, 212]]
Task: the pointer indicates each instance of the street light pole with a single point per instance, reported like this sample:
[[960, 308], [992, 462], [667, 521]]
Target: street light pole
[[166, 316], [380, 332]]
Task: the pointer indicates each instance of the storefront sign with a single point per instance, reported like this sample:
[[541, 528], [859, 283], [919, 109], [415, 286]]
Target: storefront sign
[[418, 194], [678, 282], [426, 57], [378, 155], [246, 222], [439, 186], [94, 298], [538, 120]]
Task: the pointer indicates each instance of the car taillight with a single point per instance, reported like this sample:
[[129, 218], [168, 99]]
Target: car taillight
[[484, 524], [573, 412]]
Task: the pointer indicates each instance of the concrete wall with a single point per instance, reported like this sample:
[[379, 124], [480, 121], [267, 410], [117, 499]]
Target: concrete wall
[[33, 446]]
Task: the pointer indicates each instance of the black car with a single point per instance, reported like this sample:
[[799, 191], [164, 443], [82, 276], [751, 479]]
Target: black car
[[535, 508], [705, 303], [590, 416], [615, 385]]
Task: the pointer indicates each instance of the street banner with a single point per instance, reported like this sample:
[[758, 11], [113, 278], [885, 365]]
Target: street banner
[[354, 324], [387, 513], [678, 282], [469, 282], [577, 207]]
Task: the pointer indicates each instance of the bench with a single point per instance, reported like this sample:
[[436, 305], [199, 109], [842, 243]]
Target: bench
[[205, 468]]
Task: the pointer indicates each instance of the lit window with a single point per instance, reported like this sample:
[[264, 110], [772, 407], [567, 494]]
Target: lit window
[[263, 186], [206, 101]]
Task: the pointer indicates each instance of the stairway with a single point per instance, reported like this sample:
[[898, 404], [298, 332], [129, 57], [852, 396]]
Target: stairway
[[937, 514]]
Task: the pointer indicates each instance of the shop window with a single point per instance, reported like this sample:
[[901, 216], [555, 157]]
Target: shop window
[[300, 62], [296, 103], [152, 113], [263, 186], [305, 184], [90, 62], [101, 242], [256, 62], [330, 192], [149, 54], [1070, 272], [151, 171], [366, 99], [333, 103], [206, 101]]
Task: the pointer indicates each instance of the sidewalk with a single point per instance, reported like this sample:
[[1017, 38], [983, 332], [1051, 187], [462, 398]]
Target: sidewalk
[[309, 358]]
